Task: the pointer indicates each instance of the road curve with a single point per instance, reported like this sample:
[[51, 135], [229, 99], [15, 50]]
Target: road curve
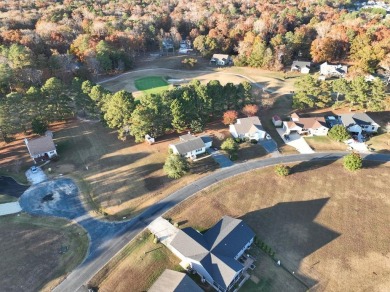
[[79, 277]]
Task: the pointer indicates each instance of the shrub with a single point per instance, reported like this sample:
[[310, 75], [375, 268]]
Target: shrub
[[155, 240], [339, 133], [231, 147], [353, 162], [282, 170], [176, 166], [253, 141]]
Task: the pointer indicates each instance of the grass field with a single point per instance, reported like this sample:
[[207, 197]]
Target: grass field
[[327, 225], [151, 84], [7, 199], [37, 252], [136, 267], [380, 143], [324, 143]]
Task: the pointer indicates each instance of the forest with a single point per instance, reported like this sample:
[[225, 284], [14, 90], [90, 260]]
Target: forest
[[42, 40]]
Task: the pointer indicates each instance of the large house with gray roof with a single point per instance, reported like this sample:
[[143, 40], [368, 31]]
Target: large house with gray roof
[[358, 122], [250, 128], [190, 146], [214, 255]]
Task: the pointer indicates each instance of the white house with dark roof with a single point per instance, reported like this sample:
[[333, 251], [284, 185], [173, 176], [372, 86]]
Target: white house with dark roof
[[221, 60], [358, 122], [214, 255], [306, 126], [301, 66], [328, 70], [190, 146], [41, 148], [172, 281], [250, 128]]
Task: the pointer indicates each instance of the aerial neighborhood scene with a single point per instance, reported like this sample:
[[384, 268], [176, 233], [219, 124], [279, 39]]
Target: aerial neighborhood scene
[[177, 145]]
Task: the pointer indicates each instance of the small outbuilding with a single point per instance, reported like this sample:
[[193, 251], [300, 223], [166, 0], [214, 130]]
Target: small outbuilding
[[301, 66], [221, 60], [277, 121]]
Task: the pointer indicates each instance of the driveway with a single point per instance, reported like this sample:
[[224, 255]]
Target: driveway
[[220, 158], [269, 145], [9, 208], [360, 147], [36, 177], [296, 141]]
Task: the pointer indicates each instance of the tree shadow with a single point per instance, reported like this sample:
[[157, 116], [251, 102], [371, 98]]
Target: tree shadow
[[310, 165], [289, 228]]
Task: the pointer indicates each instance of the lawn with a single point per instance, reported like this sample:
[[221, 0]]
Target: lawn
[[380, 143], [324, 143], [136, 267], [151, 84], [37, 252], [327, 225], [7, 199]]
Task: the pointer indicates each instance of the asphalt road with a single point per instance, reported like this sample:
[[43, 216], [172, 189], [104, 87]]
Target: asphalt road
[[118, 240]]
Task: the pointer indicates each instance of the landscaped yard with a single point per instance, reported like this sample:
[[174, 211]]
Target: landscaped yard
[[327, 225], [136, 267], [151, 84], [37, 252]]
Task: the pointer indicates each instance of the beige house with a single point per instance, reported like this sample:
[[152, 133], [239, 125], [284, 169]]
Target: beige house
[[306, 126], [190, 146], [250, 128], [41, 148]]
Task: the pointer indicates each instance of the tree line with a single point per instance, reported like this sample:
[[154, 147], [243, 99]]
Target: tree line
[[187, 107], [312, 93]]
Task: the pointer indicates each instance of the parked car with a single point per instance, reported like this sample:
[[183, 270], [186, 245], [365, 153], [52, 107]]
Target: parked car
[[34, 169]]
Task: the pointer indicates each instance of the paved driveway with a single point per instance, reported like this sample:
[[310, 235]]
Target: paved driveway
[[10, 208], [36, 177], [220, 158], [296, 141], [269, 145]]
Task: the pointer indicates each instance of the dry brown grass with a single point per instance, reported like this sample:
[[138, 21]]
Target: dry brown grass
[[328, 225], [136, 267], [30, 251], [380, 143], [324, 143]]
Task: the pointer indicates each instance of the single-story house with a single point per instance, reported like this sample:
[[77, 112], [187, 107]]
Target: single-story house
[[41, 148], [277, 121], [301, 66], [250, 128], [215, 254], [172, 281], [191, 146], [329, 70], [359, 122], [306, 126], [221, 60]]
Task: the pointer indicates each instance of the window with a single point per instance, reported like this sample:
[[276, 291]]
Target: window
[[198, 150]]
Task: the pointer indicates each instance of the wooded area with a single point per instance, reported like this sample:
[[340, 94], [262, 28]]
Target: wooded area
[[45, 44]]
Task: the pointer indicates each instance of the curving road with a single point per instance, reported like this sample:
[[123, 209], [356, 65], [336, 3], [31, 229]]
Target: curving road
[[77, 280]]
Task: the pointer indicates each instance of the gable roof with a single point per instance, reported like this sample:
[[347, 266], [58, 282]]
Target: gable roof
[[308, 123], [248, 125], [356, 118], [40, 145], [189, 145], [333, 68], [300, 64], [216, 248], [172, 281], [220, 56]]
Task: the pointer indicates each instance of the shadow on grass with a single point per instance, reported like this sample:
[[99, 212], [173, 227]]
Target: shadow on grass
[[290, 229], [310, 165]]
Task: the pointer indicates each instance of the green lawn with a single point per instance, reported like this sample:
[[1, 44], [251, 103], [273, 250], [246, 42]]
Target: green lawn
[[151, 84]]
